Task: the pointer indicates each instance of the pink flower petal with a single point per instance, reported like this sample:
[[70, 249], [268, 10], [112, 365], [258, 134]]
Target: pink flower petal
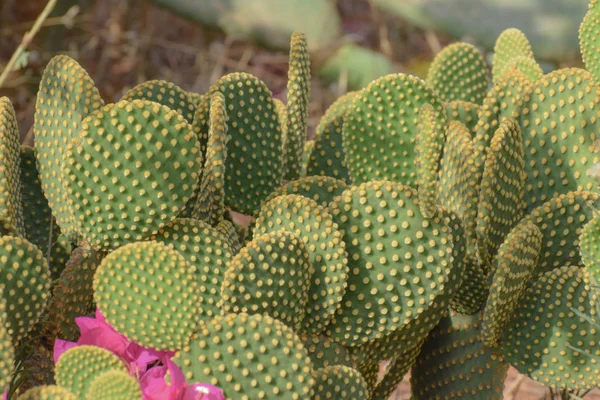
[[155, 387], [60, 346]]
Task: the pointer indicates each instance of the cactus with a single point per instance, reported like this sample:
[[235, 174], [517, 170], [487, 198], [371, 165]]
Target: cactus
[[589, 249], [114, 385], [339, 381], [50, 392], [511, 45]]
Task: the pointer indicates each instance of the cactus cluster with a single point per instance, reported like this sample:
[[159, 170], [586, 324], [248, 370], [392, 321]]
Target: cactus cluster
[[445, 225]]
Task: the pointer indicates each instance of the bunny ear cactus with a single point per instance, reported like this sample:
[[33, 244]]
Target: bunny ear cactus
[[590, 247], [114, 385], [510, 46], [48, 392]]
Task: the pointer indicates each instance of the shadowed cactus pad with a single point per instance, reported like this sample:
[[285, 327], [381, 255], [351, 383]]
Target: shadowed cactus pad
[[339, 382], [114, 385], [548, 320], [380, 128], [395, 372], [313, 224], [324, 351], [321, 189], [249, 357], [7, 349], [125, 288], [270, 275], [146, 157], [66, 96], [165, 93], [49, 392]]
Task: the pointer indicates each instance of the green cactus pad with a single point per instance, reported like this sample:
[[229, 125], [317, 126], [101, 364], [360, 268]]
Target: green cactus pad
[[548, 322], [11, 207], [590, 248], [254, 153], [589, 43], [248, 357], [339, 382], [321, 189], [314, 225], [459, 72], [7, 349], [24, 285], [561, 221], [125, 288], [309, 145], [298, 89], [559, 124], [390, 287], [270, 275], [428, 147], [48, 392], [324, 352], [380, 128], [72, 294], [453, 363], [165, 93], [210, 204], [501, 202], [205, 248], [528, 67], [464, 112], [282, 118], [511, 44], [229, 231], [395, 372], [66, 96], [114, 385], [517, 257], [146, 157], [327, 157], [59, 255], [79, 366]]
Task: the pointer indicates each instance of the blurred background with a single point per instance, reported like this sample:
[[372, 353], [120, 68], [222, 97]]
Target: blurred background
[[194, 42]]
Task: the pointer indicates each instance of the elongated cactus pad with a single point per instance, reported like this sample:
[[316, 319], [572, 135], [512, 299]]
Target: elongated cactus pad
[[324, 351], [298, 89], [48, 392], [589, 244], [309, 145], [395, 372], [270, 275], [60, 251], [66, 96], [453, 363], [589, 42], [79, 366], [11, 206], [339, 382], [165, 93], [314, 225], [206, 249], [459, 72], [153, 174], [229, 231], [7, 349], [517, 258], [124, 289], [510, 45], [248, 357], [547, 325], [383, 295], [429, 151], [114, 385], [380, 128], [321, 189], [464, 112]]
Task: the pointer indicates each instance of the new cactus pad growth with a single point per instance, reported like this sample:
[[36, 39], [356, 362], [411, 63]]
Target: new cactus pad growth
[[448, 226]]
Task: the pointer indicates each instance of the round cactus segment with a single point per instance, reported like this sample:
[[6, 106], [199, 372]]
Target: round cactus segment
[[24, 285], [248, 357], [454, 363], [561, 221], [270, 275], [514, 265], [589, 41], [146, 157], [399, 262], [66, 96], [11, 204], [79, 366], [321, 189], [125, 288], [7, 349], [339, 382], [210, 203], [298, 90], [459, 72], [464, 112], [206, 249], [559, 124], [324, 351], [553, 336], [254, 153], [48, 392], [528, 67], [501, 203], [327, 157], [165, 93], [429, 151], [314, 225], [589, 245], [510, 45], [395, 372], [380, 127], [114, 385]]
